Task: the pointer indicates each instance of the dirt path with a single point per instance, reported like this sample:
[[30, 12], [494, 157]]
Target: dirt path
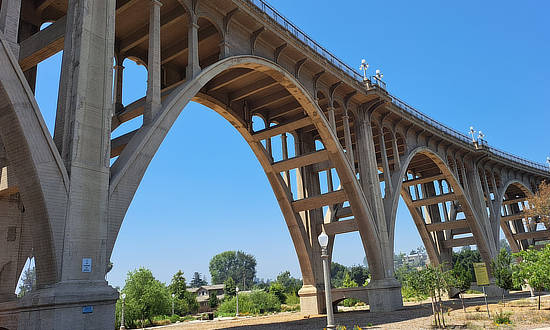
[[413, 316]]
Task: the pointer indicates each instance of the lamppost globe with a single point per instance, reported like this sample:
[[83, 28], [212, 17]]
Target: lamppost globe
[[124, 296], [237, 289], [323, 240]]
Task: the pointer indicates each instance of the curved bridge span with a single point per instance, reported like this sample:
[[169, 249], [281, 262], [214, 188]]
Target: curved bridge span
[[62, 201]]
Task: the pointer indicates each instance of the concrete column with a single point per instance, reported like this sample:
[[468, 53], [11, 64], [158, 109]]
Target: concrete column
[[396, 157], [385, 164], [119, 76], [193, 66], [153, 100], [9, 23], [445, 255], [83, 133], [347, 138], [332, 119], [284, 147]]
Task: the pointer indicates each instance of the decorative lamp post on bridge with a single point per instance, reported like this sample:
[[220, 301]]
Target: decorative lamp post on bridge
[[364, 66], [122, 326], [548, 161], [323, 242]]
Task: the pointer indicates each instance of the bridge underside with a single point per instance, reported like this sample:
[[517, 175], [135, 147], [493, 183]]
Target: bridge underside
[[61, 200]]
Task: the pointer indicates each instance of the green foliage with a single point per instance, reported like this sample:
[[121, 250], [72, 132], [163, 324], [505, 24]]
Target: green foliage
[[289, 283], [185, 301], [466, 257], [402, 271], [462, 277], [146, 297], [251, 303], [502, 270], [213, 301], [236, 264], [29, 282], [534, 268], [292, 299], [197, 280], [357, 273], [278, 290], [502, 317], [505, 245], [229, 287], [348, 282]]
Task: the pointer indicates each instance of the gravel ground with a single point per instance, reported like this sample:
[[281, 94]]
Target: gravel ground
[[413, 316]]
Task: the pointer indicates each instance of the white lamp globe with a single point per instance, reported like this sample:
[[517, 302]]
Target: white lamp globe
[[323, 240]]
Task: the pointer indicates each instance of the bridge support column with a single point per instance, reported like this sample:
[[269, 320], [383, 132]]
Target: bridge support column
[[81, 298], [9, 23]]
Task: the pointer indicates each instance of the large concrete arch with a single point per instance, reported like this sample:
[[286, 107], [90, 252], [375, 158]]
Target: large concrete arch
[[448, 175], [40, 175], [129, 168]]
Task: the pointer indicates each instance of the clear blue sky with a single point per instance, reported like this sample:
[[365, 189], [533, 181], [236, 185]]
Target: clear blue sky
[[480, 63]]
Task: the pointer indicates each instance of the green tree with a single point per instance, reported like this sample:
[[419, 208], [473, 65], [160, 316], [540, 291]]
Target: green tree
[[502, 271], [337, 273], [467, 257], [185, 301], [534, 268], [29, 282], [229, 287], [278, 290], [197, 280], [146, 297], [236, 264], [359, 274], [290, 284], [462, 280], [505, 245], [213, 301]]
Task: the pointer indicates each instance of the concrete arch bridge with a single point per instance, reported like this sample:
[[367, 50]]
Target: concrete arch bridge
[[63, 202]]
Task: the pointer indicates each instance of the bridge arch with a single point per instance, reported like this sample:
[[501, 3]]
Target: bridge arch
[[434, 206], [129, 168]]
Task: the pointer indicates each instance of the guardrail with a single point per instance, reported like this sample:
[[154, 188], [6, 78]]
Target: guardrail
[[271, 12]]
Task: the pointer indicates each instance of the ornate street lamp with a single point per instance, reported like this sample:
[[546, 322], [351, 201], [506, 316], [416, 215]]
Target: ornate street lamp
[[364, 66], [173, 296], [237, 296], [472, 134], [122, 326], [323, 242], [548, 161]]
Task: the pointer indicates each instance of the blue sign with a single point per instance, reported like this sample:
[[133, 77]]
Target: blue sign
[[87, 309]]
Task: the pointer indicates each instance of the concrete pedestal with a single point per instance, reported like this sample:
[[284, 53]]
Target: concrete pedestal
[[312, 300], [74, 305], [385, 295]]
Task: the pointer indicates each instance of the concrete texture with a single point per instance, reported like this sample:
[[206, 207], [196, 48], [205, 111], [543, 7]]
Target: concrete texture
[[65, 203]]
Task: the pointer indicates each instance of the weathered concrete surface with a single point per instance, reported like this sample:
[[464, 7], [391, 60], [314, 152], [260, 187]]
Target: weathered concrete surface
[[229, 56]]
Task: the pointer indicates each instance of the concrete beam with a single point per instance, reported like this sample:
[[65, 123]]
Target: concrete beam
[[513, 201], [340, 227], [434, 200], [119, 143], [255, 87], [532, 235], [280, 129], [42, 44], [408, 183], [311, 203], [344, 212], [513, 217], [457, 242], [301, 161], [447, 225]]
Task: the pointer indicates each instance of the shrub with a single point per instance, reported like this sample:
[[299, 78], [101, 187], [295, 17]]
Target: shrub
[[256, 302], [502, 317], [174, 318], [292, 299], [278, 290]]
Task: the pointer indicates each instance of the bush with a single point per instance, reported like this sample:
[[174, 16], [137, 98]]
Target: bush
[[174, 318], [278, 290], [254, 303], [502, 317], [292, 299]]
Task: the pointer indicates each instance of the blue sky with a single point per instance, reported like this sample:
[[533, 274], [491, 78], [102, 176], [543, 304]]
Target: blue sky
[[463, 63]]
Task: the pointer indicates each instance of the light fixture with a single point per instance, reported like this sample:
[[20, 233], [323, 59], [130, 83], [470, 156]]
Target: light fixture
[[364, 66], [323, 240]]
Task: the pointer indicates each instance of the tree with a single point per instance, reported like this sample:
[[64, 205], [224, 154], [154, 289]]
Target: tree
[[185, 301], [505, 245], [290, 284], [502, 271], [359, 274], [539, 204], [337, 273], [534, 268], [278, 290], [29, 282], [197, 280], [467, 257], [229, 288], [213, 301], [463, 280], [236, 264], [146, 297]]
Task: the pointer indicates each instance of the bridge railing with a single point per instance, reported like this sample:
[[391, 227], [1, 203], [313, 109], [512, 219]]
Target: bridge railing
[[271, 12]]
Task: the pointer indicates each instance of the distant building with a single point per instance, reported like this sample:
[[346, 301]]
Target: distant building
[[203, 294], [416, 259]]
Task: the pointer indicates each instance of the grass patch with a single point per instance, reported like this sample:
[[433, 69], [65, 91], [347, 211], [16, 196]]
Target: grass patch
[[501, 318]]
